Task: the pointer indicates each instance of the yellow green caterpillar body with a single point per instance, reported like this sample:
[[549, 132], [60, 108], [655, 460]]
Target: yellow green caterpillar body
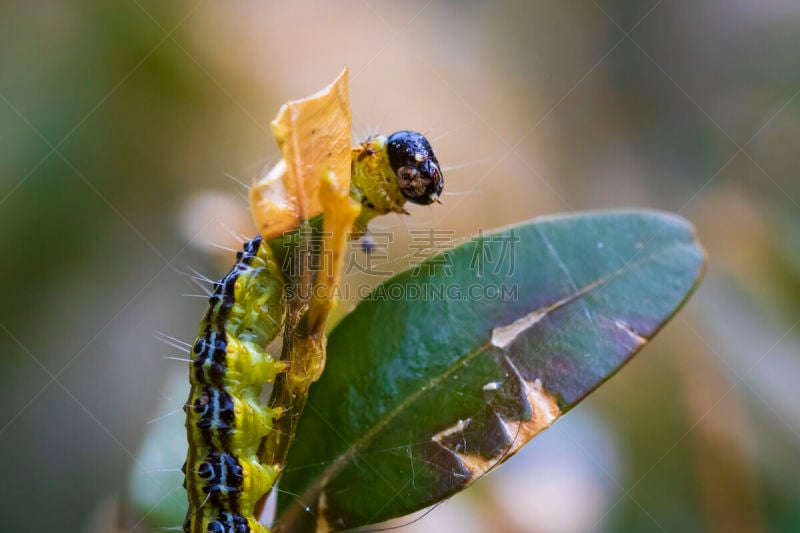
[[225, 421]]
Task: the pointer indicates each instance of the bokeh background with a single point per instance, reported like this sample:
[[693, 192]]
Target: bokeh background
[[120, 123]]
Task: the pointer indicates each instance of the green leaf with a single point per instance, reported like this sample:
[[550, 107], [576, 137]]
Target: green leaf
[[433, 379]]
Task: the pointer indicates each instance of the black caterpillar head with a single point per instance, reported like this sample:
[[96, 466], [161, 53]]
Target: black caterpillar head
[[413, 162]]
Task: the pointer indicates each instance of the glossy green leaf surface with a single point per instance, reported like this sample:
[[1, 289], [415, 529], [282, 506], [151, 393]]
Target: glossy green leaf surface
[[447, 369]]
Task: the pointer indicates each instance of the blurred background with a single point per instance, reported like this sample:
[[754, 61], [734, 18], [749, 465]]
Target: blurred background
[[123, 124]]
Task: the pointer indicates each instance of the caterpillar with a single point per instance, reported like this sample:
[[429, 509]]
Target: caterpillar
[[225, 421]]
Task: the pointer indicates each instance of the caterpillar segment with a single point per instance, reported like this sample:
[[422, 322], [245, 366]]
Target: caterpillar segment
[[221, 420], [229, 483], [225, 421]]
